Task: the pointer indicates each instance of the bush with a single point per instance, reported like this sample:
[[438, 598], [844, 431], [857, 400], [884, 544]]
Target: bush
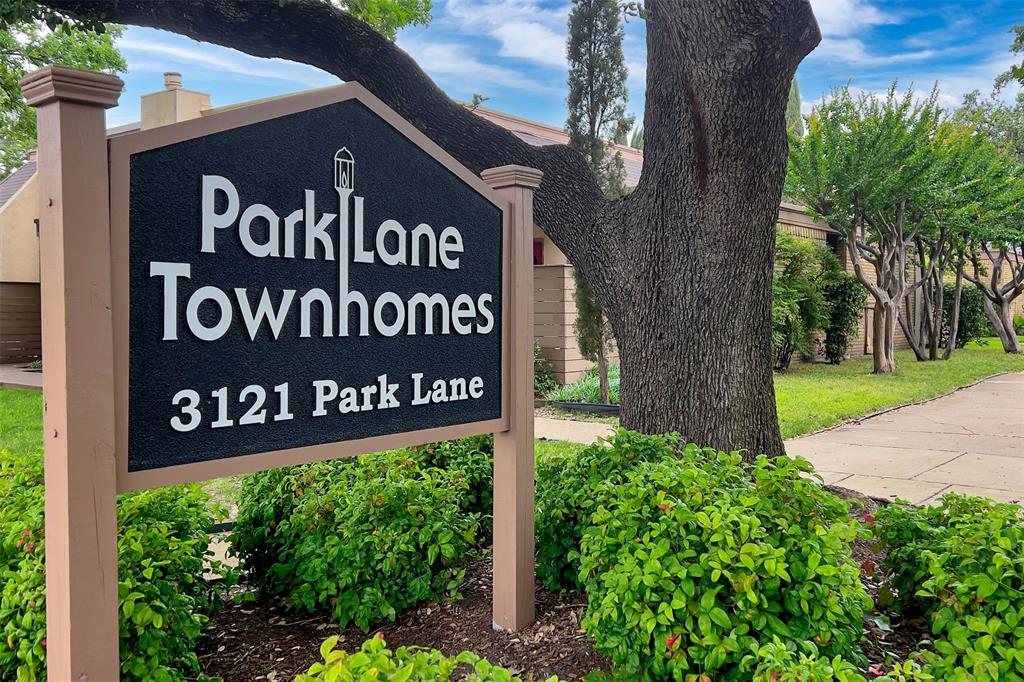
[[972, 323], [162, 551], [689, 566], [543, 375], [587, 389], [1018, 324], [798, 308], [962, 563], [780, 661], [374, 661], [565, 497], [844, 300], [473, 459], [362, 540], [266, 501]]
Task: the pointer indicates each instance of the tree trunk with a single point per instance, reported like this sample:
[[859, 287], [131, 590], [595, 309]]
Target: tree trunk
[[954, 321], [999, 295], [1002, 322], [602, 370], [699, 226]]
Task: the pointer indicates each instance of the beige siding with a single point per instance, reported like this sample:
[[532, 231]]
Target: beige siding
[[19, 239], [554, 317]]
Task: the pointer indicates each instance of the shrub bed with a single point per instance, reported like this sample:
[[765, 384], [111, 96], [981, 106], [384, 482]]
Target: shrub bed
[[374, 661], [962, 563], [361, 539], [162, 550], [690, 565], [588, 388]]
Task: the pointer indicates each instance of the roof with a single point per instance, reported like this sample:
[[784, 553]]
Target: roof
[[16, 180], [542, 135]]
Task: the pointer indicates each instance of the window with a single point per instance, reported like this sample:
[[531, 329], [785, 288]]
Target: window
[[538, 252]]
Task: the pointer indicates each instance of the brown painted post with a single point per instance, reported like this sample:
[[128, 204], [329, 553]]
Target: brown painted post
[[513, 606], [78, 384]]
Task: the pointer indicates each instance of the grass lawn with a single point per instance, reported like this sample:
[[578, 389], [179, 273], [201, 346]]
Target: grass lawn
[[21, 420], [811, 396]]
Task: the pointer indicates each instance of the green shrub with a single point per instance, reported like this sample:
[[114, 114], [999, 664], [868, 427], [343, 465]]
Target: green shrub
[[779, 661], [972, 322], [690, 565], [798, 307], [374, 661], [543, 375], [266, 501], [1018, 324], [361, 541], [472, 458], [565, 497], [162, 550], [962, 563], [844, 299], [587, 389]]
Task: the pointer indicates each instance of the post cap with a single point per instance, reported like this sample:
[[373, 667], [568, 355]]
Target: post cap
[[512, 176], [62, 83]]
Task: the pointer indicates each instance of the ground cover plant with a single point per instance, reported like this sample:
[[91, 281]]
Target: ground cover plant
[[162, 595], [374, 661], [961, 562], [690, 564]]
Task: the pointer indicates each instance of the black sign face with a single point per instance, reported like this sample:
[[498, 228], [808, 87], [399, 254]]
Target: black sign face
[[306, 279]]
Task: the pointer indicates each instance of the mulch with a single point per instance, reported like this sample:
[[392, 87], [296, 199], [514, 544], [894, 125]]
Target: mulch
[[253, 640], [261, 641]]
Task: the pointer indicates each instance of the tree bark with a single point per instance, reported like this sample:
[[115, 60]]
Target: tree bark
[[602, 372], [954, 322], [699, 226]]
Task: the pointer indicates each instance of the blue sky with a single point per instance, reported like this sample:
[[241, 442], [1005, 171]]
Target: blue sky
[[513, 52]]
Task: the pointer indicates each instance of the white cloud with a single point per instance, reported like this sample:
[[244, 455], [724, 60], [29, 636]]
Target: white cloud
[[854, 51], [218, 59], [531, 41], [452, 60], [524, 29], [847, 17]]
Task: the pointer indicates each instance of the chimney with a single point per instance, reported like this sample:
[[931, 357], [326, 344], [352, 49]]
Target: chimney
[[172, 104]]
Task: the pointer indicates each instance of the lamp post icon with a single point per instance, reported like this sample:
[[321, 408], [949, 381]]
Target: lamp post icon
[[344, 170]]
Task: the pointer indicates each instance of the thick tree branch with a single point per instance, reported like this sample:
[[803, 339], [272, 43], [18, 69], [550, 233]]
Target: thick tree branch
[[569, 202]]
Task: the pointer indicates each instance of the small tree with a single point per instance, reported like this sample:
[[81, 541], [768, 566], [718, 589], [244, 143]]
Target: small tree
[[597, 117], [1000, 239], [794, 118], [864, 167]]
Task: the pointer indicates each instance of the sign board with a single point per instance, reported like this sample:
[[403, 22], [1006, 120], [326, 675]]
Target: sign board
[[299, 279], [294, 275]]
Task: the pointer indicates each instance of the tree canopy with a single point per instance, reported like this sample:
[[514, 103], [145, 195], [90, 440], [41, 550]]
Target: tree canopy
[[32, 37]]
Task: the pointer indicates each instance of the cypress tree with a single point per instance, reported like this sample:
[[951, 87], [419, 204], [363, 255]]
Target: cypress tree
[[597, 116]]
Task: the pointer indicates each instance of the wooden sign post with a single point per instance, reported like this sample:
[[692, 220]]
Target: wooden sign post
[[300, 279]]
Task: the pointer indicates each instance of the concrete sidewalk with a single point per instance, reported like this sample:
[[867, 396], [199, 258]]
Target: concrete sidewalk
[[13, 376], [971, 441]]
